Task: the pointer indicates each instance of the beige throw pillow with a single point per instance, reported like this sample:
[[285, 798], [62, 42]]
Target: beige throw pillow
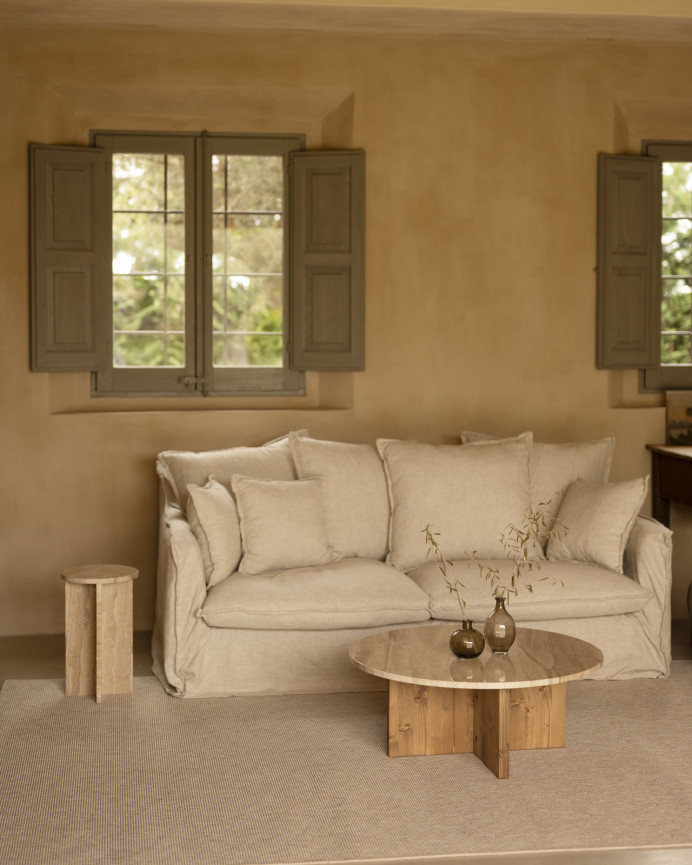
[[556, 465], [467, 494], [598, 519], [213, 517], [180, 468], [356, 500], [282, 524]]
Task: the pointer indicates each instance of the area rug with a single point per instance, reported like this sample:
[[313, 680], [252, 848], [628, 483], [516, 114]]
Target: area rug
[[149, 779]]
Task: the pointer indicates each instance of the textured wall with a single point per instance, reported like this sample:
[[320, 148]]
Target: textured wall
[[481, 232]]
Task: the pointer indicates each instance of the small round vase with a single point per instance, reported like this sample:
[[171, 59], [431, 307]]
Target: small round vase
[[500, 629], [466, 641]]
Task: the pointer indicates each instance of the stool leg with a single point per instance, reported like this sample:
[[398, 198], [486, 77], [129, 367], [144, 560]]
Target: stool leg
[[79, 640], [99, 642]]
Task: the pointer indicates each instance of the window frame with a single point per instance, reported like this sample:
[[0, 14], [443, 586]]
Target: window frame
[[70, 266], [199, 376], [664, 377]]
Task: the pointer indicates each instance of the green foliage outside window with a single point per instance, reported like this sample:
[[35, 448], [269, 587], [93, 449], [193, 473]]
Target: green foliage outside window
[[149, 260], [676, 249]]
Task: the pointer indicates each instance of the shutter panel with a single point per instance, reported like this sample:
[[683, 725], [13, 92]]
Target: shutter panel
[[327, 269], [629, 249], [70, 276]]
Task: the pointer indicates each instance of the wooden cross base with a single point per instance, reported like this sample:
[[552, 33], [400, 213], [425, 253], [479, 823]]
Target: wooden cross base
[[488, 722]]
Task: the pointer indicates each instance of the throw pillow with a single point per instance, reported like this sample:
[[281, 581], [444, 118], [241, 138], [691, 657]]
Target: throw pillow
[[555, 465], [213, 518], [282, 524], [356, 500], [598, 519], [467, 494], [180, 468]]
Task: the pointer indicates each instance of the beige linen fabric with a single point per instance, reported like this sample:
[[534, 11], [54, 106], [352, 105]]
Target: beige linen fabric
[[272, 460], [282, 524], [350, 593], [554, 465], [213, 517], [598, 520], [356, 500], [467, 494], [560, 590]]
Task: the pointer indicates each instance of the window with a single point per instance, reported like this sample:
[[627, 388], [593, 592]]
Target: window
[[645, 264], [197, 263]]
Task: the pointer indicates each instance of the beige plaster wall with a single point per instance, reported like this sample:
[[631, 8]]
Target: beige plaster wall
[[481, 176]]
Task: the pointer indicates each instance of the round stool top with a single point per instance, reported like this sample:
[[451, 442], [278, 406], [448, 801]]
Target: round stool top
[[92, 574]]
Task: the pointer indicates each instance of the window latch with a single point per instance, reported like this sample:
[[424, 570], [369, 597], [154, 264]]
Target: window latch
[[192, 380]]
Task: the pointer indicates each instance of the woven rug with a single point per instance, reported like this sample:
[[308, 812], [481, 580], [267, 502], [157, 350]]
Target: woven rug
[[148, 779]]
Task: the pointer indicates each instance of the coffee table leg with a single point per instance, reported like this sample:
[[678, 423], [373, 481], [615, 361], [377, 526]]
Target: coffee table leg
[[537, 717], [427, 720], [491, 726]]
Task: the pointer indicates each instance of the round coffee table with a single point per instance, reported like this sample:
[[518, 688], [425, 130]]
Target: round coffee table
[[440, 704]]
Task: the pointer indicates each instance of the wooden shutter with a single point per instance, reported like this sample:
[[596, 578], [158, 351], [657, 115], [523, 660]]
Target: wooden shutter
[[327, 271], [629, 250], [70, 276]]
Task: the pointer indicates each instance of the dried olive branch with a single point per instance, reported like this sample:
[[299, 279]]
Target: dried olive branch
[[434, 551], [535, 528], [519, 540]]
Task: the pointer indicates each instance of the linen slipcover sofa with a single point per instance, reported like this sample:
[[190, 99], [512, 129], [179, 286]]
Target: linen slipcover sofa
[[274, 559]]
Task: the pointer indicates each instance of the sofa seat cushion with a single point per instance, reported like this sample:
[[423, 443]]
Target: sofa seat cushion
[[350, 593], [588, 590]]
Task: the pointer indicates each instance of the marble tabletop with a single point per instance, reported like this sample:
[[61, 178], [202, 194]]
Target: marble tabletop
[[421, 656]]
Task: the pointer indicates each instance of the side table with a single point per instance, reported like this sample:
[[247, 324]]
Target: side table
[[98, 630], [671, 480]]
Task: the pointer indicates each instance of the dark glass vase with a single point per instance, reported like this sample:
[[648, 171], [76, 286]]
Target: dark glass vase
[[500, 629], [466, 641]]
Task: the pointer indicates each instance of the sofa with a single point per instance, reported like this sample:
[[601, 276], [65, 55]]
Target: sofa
[[274, 559]]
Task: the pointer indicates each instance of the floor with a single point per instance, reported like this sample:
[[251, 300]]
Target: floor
[[42, 657]]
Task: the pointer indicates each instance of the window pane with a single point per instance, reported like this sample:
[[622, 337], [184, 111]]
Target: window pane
[[148, 350], [676, 305], [138, 243], [247, 303], [247, 183], [248, 244], [138, 181], [148, 260], [247, 254], [675, 348], [677, 189], [675, 247], [236, 349]]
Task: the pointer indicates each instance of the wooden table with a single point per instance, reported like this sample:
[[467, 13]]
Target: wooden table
[[98, 630], [490, 705], [671, 481]]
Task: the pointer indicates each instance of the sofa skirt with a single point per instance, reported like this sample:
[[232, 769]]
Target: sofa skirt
[[232, 661]]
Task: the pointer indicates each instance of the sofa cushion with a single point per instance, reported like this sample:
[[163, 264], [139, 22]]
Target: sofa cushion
[[560, 590], [213, 518], [467, 494], [598, 519], [554, 465], [282, 524], [180, 468], [356, 500], [351, 593]]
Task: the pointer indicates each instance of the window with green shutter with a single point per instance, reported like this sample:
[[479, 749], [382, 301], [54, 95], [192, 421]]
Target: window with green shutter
[[214, 264]]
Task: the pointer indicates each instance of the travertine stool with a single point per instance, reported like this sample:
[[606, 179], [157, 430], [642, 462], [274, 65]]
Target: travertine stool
[[98, 630]]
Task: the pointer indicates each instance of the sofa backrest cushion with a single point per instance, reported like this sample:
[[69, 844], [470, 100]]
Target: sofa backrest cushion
[[554, 465], [468, 494], [213, 518], [282, 524], [272, 460], [598, 519], [356, 500]]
